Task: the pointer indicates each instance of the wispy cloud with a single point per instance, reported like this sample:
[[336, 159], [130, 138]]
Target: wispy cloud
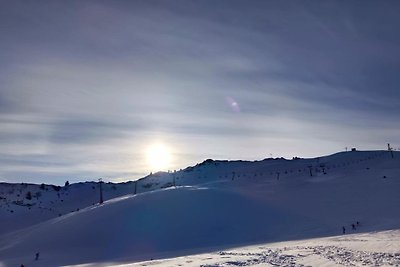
[[86, 86]]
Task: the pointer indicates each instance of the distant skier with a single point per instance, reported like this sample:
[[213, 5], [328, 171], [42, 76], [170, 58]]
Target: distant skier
[[353, 226], [37, 256], [343, 229], [358, 223]]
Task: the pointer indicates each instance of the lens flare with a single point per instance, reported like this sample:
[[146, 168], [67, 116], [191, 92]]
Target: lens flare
[[234, 105]]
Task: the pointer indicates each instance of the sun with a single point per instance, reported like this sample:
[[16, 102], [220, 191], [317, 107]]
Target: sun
[[158, 157]]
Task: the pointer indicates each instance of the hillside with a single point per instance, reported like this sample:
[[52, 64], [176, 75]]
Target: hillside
[[366, 249], [215, 204], [22, 205]]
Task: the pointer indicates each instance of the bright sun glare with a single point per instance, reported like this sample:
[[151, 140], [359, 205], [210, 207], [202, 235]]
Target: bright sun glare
[[158, 157]]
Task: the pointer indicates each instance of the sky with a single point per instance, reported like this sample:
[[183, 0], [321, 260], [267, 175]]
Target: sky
[[87, 88]]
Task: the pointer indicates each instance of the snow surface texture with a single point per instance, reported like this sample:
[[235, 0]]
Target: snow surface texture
[[215, 205], [372, 249]]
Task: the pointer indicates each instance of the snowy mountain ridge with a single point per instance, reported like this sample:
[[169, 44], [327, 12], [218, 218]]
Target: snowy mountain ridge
[[212, 205]]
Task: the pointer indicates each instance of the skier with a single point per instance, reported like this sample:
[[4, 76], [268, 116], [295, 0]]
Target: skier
[[343, 229], [37, 256], [353, 226]]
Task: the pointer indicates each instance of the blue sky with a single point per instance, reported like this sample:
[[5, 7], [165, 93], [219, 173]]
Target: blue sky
[[88, 86]]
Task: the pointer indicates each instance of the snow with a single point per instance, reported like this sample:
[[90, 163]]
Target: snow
[[48, 201], [243, 211], [367, 249]]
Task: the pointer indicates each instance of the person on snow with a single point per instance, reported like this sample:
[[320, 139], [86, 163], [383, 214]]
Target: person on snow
[[353, 226], [37, 256], [343, 229]]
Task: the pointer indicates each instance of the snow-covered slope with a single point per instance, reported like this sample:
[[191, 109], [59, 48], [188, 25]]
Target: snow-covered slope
[[220, 204], [366, 249], [22, 205]]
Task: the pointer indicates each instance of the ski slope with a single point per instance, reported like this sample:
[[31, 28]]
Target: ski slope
[[367, 249], [215, 205], [49, 201]]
